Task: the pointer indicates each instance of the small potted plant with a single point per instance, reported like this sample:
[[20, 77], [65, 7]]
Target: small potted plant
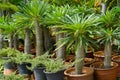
[[6, 55], [22, 60], [79, 31], [38, 66], [54, 69], [108, 34]]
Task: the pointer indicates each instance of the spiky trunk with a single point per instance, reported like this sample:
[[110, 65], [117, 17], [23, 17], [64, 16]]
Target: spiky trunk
[[16, 41], [61, 51], [27, 46], [79, 62], [103, 8], [118, 2], [108, 53], [25, 1], [47, 40], [11, 41], [1, 12], [39, 39], [1, 41]]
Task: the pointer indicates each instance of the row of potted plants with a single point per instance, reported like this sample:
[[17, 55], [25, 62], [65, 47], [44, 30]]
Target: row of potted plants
[[80, 30], [45, 68], [26, 64]]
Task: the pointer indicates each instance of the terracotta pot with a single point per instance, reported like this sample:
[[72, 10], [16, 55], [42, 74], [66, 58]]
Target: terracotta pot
[[87, 74], [117, 60], [99, 56], [88, 61], [9, 71], [101, 73]]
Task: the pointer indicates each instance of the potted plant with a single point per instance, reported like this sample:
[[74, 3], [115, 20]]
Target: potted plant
[[54, 69], [79, 30], [6, 55], [108, 33], [37, 66], [22, 60]]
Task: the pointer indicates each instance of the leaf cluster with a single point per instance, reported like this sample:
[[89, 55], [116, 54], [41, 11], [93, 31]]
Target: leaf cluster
[[8, 52], [54, 65], [22, 58]]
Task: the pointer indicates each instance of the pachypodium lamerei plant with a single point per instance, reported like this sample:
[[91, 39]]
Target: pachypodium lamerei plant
[[33, 13], [78, 29], [108, 32]]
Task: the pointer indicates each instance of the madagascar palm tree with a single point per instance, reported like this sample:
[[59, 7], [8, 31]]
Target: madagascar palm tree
[[1, 34], [33, 13], [54, 18], [78, 30], [9, 29], [109, 32]]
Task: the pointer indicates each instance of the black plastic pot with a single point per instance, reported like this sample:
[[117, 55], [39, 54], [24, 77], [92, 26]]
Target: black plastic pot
[[39, 74], [22, 69], [10, 65], [54, 75]]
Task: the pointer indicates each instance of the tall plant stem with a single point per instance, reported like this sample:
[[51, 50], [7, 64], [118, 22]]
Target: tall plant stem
[[39, 39], [107, 52], [27, 47], [80, 54]]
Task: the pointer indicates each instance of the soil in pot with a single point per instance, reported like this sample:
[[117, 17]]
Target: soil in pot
[[89, 54], [87, 74], [101, 73]]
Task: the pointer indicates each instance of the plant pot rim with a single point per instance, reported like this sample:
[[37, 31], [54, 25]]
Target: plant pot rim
[[86, 71], [90, 61], [115, 58], [113, 65], [36, 68], [99, 54], [46, 72]]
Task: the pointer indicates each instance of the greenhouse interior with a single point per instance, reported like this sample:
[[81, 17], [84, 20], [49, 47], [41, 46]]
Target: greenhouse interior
[[59, 39]]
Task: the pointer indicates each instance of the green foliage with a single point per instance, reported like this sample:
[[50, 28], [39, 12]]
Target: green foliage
[[27, 13], [14, 77], [108, 33], [8, 52], [22, 58], [38, 61], [108, 30], [78, 30], [7, 25], [57, 13], [53, 65], [110, 18], [8, 6], [63, 2]]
